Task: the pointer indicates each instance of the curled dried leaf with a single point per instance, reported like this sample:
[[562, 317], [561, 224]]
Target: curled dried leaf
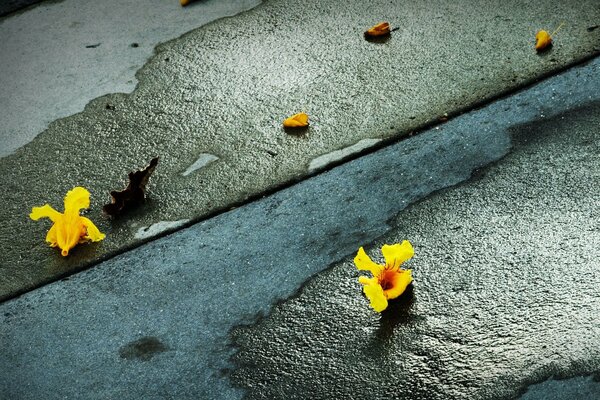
[[299, 120], [184, 2], [380, 30], [134, 194]]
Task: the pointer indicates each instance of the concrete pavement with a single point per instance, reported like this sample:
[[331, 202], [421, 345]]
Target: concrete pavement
[[505, 291], [224, 89]]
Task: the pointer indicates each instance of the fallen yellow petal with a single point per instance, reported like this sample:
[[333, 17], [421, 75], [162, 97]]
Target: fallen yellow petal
[[299, 120], [395, 255], [92, 232], [76, 199], [381, 29], [364, 263], [45, 211], [542, 40], [398, 282], [368, 281], [375, 294]]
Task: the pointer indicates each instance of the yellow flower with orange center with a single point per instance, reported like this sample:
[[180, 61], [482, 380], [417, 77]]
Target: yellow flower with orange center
[[389, 281], [69, 228]]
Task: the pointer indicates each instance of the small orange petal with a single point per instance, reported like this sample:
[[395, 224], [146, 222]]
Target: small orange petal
[[299, 120], [542, 40], [378, 30]]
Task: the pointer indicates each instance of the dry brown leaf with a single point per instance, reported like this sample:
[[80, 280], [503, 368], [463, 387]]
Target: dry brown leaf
[[134, 194]]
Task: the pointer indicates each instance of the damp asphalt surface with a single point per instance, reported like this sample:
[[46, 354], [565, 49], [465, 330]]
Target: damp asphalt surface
[[223, 89], [502, 208], [506, 289], [262, 300]]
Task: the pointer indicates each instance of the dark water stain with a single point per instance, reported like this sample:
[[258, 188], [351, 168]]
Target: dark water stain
[[142, 349]]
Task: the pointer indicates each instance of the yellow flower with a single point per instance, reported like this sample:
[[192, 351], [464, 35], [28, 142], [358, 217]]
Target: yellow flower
[[299, 120], [389, 281], [69, 227]]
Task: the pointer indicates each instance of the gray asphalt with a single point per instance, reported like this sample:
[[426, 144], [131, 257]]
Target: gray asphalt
[[224, 89], [505, 277]]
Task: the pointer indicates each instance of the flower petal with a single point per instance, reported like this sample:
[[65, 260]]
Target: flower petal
[[375, 294], [93, 233], [296, 121], [69, 232], [364, 263], [51, 236], [76, 199], [367, 281], [542, 40], [398, 253], [381, 29], [45, 211], [400, 281]]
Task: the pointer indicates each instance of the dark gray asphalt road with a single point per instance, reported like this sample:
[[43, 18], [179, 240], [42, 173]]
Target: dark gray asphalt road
[[505, 292], [224, 89]]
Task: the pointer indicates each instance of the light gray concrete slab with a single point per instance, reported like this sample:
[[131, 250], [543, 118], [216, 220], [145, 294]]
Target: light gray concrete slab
[[225, 88], [154, 322], [58, 56]]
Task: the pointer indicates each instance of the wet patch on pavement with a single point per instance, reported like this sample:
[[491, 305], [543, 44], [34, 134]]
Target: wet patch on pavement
[[506, 275]]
